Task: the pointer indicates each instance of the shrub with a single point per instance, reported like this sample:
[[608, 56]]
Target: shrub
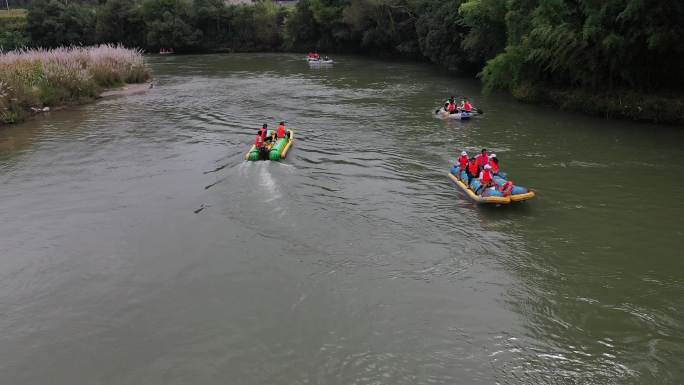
[[39, 77]]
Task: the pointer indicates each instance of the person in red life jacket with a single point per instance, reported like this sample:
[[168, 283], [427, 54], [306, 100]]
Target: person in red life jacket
[[259, 140], [486, 177], [482, 159], [445, 109], [472, 169], [494, 163], [264, 133], [259, 143], [462, 162], [281, 130], [451, 107], [466, 106]]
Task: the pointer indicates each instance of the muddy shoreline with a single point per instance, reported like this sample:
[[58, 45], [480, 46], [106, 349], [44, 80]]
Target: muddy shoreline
[[125, 90]]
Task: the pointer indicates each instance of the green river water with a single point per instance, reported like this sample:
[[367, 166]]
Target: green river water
[[137, 247]]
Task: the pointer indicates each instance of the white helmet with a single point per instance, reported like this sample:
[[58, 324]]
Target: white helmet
[[492, 155], [464, 153], [487, 167]]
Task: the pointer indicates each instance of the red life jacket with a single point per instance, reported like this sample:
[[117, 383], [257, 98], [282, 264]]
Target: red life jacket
[[463, 162], [495, 167], [467, 107], [472, 168], [451, 107], [259, 141], [485, 177], [281, 131], [481, 159]]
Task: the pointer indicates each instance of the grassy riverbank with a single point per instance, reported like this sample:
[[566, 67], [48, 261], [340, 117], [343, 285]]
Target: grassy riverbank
[[34, 79]]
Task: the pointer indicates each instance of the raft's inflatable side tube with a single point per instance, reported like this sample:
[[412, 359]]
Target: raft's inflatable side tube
[[283, 153], [248, 155], [274, 153], [490, 194], [458, 116], [279, 150], [518, 193]]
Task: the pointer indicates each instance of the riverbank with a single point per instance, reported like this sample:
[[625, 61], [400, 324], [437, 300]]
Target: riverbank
[[659, 108], [125, 90], [35, 80]]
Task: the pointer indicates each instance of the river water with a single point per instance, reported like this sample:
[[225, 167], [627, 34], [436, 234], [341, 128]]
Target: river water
[[137, 247]]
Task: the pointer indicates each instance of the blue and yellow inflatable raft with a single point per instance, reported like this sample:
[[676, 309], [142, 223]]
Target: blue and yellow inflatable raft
[[490, 195]]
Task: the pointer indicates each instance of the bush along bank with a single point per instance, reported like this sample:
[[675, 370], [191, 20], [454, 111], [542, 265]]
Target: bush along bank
[[38, 78], [660, 108]]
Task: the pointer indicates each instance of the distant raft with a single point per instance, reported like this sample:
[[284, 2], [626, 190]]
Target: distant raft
[[498, 194], [321, 62], [461, 115], [276, 151]]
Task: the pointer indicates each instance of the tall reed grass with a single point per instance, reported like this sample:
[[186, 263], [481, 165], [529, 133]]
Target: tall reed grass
[[35, 78]]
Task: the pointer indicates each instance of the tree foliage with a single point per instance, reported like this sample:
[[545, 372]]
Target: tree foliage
[[635, 44], [120, 21], [513, 44], [51, 23], [13, 33]]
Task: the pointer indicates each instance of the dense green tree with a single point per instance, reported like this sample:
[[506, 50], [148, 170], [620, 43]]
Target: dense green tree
[[598, 45], [121, 21], [170, 24], [268, 21], [382, 25], [51, 23], [441, 34], [13, 33], [301, 29], [487, 34], [212, 18]]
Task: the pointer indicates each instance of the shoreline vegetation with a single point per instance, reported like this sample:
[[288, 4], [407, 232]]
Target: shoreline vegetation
[[613, 58], [36, 80]]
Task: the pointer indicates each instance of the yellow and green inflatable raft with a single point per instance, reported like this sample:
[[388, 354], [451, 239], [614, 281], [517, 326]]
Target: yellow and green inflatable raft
[[276, 151]]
